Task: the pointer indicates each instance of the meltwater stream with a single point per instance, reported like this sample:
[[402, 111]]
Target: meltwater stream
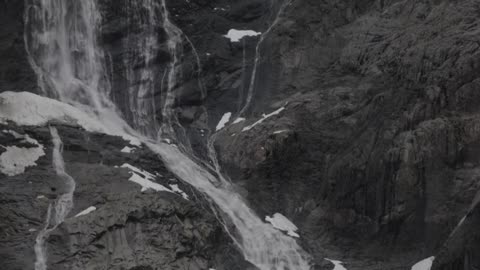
[[57, 213], [61, 38], [258, 57]]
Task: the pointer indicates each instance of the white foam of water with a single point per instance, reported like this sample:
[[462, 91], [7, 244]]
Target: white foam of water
[[61, 207], [142, 46], [261, 244], [174, 45], [61, 40], [251, 87]]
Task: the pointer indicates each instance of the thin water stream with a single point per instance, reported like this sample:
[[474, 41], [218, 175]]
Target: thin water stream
[[62, 206], [61, 41]]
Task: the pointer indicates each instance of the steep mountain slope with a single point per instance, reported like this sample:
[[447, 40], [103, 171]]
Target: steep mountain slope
[[357, 120]]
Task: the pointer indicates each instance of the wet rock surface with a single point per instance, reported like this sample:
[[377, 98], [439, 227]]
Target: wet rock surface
[[374, 158], [129, 229], [375, 153], [15, 71]]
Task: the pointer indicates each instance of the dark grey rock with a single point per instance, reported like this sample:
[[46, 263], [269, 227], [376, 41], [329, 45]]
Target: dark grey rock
[[15, 71], [129, 229], [377, 160]]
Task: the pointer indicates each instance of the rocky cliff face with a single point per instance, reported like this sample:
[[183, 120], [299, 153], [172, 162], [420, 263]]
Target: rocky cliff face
[[15, 72], [362, 129], [129, 228], [376, 145]]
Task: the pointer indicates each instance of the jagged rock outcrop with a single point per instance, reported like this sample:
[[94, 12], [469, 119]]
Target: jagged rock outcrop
[[129, 229], [373, 151], [376, 147]]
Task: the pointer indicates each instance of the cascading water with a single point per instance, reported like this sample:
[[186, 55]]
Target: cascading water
[[61, 43], [258, 57], [61, 206], [142, 47], [262, 245], [61, 39], [174, 44]]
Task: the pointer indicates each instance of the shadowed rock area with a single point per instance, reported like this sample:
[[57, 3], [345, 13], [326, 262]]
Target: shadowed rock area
[[373, 151], [129, 229]]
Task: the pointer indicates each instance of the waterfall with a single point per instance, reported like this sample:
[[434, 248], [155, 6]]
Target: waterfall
[[175, 48], [258, 57], [61, 43], [263, 246], [142, 48], [61, 39], [61, 206]]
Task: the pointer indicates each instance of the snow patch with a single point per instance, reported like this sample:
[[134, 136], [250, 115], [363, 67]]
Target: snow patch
[[127, 149], [238, 120], [338, 264], [282, 223], [40, 197], [176, 189], [145, 179], [223, 121], [264, 117], [86, 211], [280, 131], [425, 264], [16, 159], [29, 109], [236, 35]]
